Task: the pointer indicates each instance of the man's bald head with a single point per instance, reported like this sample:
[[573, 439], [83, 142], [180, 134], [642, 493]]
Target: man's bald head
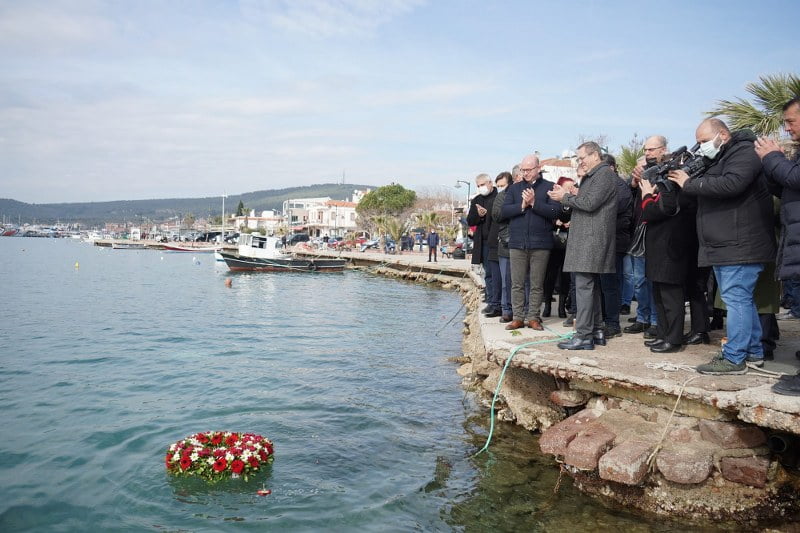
[[529, 167], [711, 128]]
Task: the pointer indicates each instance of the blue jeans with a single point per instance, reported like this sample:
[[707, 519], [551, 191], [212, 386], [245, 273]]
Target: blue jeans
[[627, 280], [610, 286], [643, 288], [505, 277], [736, 285]]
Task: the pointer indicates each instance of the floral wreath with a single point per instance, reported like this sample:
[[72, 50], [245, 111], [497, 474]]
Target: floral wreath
[[217, 455]]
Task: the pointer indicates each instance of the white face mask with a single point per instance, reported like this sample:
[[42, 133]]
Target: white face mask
[[500, 189], [483, 190], [709, 149]]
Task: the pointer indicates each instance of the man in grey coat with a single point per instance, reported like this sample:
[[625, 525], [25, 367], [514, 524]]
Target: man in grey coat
[[591, 247]]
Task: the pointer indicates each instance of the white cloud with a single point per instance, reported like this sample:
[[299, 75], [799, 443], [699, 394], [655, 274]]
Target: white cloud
[[327, 18]]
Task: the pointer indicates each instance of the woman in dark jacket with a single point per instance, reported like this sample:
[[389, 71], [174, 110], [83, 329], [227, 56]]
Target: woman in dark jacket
[[670, 252]]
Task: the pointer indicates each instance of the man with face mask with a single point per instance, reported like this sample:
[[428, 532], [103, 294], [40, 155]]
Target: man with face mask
[[735, 230], [484, 251]]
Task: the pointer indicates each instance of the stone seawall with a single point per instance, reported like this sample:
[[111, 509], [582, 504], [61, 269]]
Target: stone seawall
[[631, 427]]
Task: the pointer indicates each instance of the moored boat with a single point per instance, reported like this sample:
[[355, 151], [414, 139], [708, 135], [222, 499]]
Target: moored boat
[[128, 246], [194, 249], [265, 254]]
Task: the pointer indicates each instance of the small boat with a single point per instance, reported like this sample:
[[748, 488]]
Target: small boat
[[194, 249], [128, 246], [266, 254]]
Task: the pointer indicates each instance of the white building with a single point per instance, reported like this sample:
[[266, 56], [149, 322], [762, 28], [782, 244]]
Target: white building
[[269, 221], [322, 216], [554, 168]]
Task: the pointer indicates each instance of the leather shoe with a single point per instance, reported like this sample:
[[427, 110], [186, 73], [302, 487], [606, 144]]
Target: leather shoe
[[599, 337], [487, 309], [576, 343], [505, 318], [653, 342], [493, 313], [697, 338], [625, 310], [535, 324], [515, 324], [636, 327], [666, 347], [651, 333]]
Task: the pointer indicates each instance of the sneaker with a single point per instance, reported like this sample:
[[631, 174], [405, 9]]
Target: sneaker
[[753, 361], [719, 366], [787, 315]]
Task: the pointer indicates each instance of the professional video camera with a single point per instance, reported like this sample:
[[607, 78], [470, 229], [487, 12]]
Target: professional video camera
[[680, 159]]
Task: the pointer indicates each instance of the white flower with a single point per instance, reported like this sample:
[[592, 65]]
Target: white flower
[[173, 447], [229, 457], [246, 455], [211, 460], [194, 456], [176, 456]]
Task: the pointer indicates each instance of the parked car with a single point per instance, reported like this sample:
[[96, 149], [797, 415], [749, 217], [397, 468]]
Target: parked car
[[297, 238]]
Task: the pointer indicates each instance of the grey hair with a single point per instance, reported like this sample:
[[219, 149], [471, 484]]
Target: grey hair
[[482, 177], [590, 147], [515, 172]]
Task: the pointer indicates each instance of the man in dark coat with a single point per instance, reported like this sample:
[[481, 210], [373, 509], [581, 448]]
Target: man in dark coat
[[485, 250], [530, 213], [735, 228], [502, 181], [783, 175], [591, 247], [433, 244]]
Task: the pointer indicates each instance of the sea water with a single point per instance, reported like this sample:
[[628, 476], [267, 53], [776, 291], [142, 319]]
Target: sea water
[[109, 356]]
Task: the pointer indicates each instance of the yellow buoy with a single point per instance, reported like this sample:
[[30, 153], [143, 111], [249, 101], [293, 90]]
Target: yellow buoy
[[77, 265]]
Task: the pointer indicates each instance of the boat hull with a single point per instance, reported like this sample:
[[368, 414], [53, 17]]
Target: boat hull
[[196, 250], [238, 263]]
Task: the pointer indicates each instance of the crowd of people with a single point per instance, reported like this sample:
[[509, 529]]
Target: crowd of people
[[661, 236]]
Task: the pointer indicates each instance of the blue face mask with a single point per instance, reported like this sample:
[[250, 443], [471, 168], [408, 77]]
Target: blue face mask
[[709, 149]]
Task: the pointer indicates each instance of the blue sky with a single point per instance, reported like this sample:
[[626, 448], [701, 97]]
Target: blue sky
[[152, 99]]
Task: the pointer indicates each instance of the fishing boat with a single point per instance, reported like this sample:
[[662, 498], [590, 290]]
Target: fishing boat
[[257, 253], [194, 249], [128, 246]]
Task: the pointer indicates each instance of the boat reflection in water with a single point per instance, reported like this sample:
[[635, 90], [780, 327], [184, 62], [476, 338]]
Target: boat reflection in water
[[266, 254]]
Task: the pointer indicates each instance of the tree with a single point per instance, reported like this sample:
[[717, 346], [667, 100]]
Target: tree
[[629, 155], [188, 220], [394, 227], [764, 116], [391, 200], [240, 210], [428, 220]]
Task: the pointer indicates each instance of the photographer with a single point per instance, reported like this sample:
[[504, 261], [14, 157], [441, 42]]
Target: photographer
[[735, 231], [671, 251]]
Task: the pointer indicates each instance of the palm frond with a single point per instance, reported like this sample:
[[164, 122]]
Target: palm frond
[[764, 114]]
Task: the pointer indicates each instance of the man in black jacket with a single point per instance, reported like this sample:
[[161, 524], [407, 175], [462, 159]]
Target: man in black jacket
[[736, 233], [485, 247], [783, 175]]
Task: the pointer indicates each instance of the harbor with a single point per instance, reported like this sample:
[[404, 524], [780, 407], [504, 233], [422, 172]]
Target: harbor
[[632, 427]]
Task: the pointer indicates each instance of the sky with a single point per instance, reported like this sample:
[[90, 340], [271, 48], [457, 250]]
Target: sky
[[120, 100]]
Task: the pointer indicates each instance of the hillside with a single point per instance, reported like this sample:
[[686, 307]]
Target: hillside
[[94, 213]]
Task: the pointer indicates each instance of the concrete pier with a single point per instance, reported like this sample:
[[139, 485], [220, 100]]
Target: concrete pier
[[633, 427]]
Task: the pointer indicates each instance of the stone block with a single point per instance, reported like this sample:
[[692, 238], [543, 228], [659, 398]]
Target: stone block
[[746, 470], [686, 466], [627, 463], [730, 436], [570, 398], [555, 439], [682, 435], [588, 446]]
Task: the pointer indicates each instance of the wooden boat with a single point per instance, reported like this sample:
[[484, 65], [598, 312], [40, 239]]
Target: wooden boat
[[128, 246], [194, 249], [266, 254]]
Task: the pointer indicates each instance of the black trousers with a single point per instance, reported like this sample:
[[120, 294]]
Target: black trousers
[[696, 286], [670, 310]]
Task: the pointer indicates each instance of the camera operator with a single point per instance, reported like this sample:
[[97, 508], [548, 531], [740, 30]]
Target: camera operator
[[735, 231], [671, 252]]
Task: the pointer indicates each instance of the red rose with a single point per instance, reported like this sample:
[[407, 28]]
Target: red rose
[[167, 458], [231, 440], [186, 462], [219, 452], [202, 438], [216, 439], [263, 455], [204, 452], [237, 466], [220, 464], [253, 462]]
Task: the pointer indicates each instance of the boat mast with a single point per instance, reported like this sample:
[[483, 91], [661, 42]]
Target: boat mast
[[222, 239]]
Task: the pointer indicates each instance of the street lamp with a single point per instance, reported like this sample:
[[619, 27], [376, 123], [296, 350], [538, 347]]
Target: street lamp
[[469, 186]]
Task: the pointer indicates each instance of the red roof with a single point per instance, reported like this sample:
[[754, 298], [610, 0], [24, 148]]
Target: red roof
[[338, 203], [554, 162]]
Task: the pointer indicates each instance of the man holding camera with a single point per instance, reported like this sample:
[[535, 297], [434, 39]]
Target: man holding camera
[[736, 235], [591, 247]]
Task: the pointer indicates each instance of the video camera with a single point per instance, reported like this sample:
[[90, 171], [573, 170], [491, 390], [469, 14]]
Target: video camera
[[680, 159]]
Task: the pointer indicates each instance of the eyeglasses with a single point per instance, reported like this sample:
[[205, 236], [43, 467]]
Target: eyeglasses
[[528, 169], [653, 149]]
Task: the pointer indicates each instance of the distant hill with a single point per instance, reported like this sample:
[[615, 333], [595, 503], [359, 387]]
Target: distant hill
[[96, 213]]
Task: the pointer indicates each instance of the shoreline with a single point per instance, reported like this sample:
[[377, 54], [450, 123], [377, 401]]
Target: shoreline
[[631, 427]]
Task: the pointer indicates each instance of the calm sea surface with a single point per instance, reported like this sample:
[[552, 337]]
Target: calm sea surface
[[102, 367]]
